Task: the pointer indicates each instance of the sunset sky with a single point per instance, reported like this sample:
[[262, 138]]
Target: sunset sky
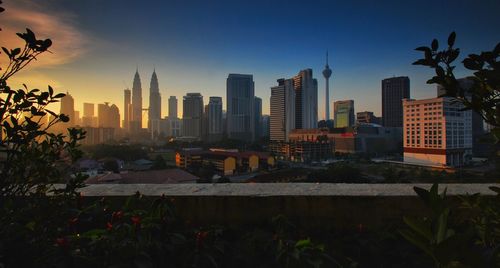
[[194, 45]]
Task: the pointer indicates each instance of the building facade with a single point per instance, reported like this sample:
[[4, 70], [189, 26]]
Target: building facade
[[68, 107], [136, 115], [172, 107], [127, 102], [108, 116], [192, 115], [240, 94], [394, 90], [214, 119], [344, 113], [154, 111], [88, 118], [258, 117], [478, 148], [282, 106], [306, 99], [437, 132], [367, 117]]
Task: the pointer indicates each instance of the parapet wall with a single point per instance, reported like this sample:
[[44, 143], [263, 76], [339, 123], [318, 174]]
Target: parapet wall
[[310, 204]]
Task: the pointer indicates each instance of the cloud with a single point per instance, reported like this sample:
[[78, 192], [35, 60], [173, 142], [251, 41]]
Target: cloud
[[69, 43]]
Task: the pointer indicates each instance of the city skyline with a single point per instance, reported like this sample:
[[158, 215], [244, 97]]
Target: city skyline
[[378, 50]]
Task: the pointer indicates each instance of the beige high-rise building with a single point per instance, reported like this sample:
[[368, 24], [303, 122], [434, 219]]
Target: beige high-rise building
[[436, 132]]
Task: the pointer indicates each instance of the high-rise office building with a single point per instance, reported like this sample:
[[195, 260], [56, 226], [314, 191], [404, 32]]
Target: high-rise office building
[[192, 113], [136, 116], [108, 116], [77, 120], [477, 121], [265, 126], [127, 98], [68, 107], [240, 107], [214, 119], [172, 107], [258, 117], [283, 110], [306, 100], [88, 118], [394, 90], [344, 113], [437, 132], [154, 111], [327, 72]]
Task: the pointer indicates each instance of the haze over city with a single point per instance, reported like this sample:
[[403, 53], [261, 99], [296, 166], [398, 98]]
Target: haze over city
[[194, 45]]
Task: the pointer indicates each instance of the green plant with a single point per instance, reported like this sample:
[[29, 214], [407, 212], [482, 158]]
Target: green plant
[[301, 252], [484, 95], [434, 235], [31, 160], [483, 214]]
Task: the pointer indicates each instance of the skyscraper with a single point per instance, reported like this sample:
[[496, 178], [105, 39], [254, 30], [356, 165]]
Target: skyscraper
[[344, 113], [88, 119], [126, 108], [136, 117], [240, 107], [154, 111], [327, 72], [394, 90], [282, 118], [192, 113], [214, 119], [258, 117], [306, 99], [172, 107], [68, 107], [108, 116]]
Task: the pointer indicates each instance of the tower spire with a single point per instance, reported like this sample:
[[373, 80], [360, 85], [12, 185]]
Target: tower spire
[[327, 72]]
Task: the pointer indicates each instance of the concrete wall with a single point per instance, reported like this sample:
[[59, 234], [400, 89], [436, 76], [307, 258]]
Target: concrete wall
[[309, 204]]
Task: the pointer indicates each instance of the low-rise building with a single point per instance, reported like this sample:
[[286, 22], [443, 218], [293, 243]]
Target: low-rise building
[[307, 145], [226, 162]]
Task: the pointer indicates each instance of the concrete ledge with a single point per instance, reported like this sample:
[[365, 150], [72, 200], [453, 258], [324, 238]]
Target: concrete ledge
[[278, 189], [339, 206]]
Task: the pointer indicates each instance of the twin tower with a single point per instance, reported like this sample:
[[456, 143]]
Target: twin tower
[[133, 104]]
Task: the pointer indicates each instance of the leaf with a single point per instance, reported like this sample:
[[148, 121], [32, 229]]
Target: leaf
[[422, 49], [434, 45], [64, 118], [303, 243], [420, 62], [495, 189], [417, 241], [439, 71], [422, 193], [419, 226], [496, 50], [442, 226], [471, 64], [15, 51], [451, 39], [6, 51]]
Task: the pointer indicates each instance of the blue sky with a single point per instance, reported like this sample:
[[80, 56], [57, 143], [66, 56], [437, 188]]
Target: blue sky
[[194, 44]]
